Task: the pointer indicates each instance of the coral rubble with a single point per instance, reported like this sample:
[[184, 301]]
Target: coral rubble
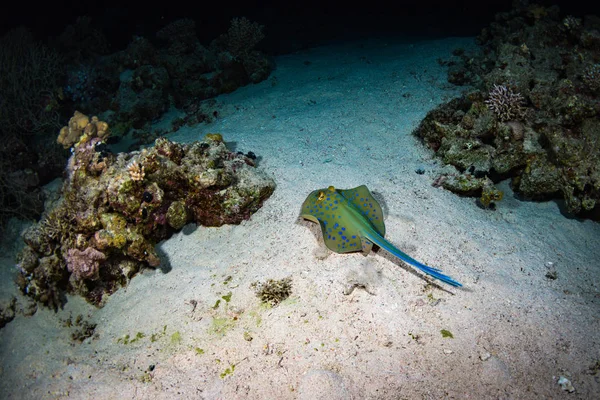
[[115, 207], [273, 292]]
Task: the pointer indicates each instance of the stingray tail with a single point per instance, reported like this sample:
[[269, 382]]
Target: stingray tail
[[436, 273]]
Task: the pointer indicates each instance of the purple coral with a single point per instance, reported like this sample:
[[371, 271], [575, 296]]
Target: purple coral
[[84, 264]]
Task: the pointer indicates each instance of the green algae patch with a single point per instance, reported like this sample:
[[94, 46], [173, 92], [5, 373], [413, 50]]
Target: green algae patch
[[227, 297], [145, 377], [220, 325], [228, 371], [138, 336], [128, 339], [125, 339], [176, 338], [155, 336], [257, 317], [447, 334]]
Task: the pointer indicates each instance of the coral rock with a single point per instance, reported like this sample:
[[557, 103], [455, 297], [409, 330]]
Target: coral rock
[[84, 264], [117, 207], [81, 127], [177, 215]]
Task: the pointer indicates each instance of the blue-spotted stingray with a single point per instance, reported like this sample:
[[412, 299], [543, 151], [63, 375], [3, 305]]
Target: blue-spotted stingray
[[352, 220]]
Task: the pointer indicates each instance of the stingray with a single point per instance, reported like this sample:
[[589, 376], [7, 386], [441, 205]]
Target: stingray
[[352, 220]]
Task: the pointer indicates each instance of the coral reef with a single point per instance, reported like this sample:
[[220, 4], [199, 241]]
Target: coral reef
[[533, 113], [42, 85], [143, 95], [140, 83], [115, 207]]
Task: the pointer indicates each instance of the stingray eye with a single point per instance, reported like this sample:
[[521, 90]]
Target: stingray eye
[[331, 189], [321, 196]]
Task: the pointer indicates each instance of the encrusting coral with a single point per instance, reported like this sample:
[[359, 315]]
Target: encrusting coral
[[115, 207]]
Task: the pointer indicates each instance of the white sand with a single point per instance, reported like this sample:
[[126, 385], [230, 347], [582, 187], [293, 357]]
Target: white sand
[[344, 120]]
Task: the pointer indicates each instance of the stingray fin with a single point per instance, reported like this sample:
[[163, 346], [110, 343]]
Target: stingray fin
[[361, 198]]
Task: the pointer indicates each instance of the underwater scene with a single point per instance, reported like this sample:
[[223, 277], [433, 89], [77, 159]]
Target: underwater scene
[[300, 201]]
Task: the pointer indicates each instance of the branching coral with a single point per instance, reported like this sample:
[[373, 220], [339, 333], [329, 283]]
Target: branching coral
[[55, 227], [506, 104], [136, 171]]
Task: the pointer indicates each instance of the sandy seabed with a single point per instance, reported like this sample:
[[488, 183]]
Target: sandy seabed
[[338, 115]]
